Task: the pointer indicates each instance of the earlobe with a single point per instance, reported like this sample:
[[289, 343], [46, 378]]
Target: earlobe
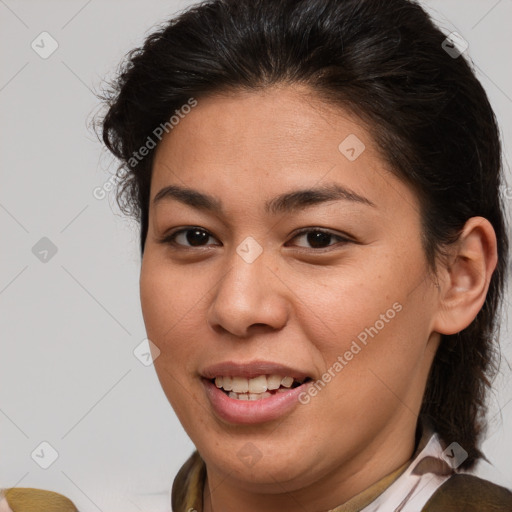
[[467, 275]]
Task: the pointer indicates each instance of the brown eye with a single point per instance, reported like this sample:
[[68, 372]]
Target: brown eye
[[319, 239], [188, 237]]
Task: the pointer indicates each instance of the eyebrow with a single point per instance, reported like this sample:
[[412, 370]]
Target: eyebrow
[[284, 203]]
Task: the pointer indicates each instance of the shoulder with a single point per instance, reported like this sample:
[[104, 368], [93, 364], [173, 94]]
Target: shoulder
[[469, 493], [27, 498]]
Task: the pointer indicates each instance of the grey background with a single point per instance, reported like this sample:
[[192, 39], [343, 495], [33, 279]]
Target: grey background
[[68, 374]]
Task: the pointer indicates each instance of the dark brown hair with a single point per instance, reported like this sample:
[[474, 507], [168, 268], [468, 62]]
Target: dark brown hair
[[385, 61]]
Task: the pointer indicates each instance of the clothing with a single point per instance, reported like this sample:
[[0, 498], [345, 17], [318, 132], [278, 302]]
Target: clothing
[[27, 499], [429, 482]]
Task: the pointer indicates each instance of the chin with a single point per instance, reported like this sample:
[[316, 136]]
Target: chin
[[264, 462]]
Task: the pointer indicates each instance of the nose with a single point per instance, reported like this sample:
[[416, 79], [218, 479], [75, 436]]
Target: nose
[[249, 297]]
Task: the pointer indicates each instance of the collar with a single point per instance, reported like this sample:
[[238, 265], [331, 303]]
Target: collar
[[431, 466]]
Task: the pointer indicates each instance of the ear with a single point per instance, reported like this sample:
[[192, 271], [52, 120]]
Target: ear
[[464, 278]]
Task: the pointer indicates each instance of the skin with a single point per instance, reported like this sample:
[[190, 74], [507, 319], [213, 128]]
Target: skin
[[4, 506], [296, 304]]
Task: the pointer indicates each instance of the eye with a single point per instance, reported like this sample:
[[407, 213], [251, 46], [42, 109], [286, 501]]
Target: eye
[[319, 238], [194, 236], [198, 237]]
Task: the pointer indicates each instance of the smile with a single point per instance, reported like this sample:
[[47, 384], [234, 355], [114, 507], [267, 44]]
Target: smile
[[257, 388]]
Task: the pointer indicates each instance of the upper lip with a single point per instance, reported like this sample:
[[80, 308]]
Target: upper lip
[[251, 370]]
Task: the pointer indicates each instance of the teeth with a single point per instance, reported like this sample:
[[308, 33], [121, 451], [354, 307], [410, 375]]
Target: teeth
[[239, 385], [258, 386], [227, 383], [274, 381], [249, 396], [287, 382]]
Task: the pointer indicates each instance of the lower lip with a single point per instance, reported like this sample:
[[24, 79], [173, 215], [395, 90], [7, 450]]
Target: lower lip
[[248, 412]]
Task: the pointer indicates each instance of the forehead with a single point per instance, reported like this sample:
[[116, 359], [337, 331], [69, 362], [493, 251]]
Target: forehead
[[288, 123], [257, 143]]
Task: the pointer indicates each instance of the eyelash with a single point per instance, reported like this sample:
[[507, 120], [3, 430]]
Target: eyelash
[[170, 239]]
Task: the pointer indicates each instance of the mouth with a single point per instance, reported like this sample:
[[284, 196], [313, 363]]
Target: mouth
[[255, 392], [257, 388]]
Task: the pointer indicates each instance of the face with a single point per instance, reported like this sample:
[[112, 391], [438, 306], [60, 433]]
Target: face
[[324, 292]]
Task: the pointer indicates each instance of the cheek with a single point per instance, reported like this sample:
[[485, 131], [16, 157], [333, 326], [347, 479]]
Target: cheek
[[386, 373], [169, 296], [345, 306], [170, 301], [368, 323]]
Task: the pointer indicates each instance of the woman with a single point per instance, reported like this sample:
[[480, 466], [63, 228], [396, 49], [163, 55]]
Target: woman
[[324, 251]]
